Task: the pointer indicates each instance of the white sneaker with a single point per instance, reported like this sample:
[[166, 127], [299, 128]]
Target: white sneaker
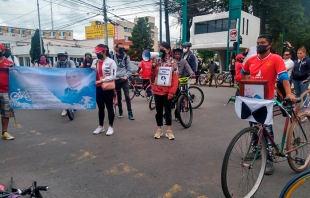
[[110, 131], [98, 130], [64, 113]]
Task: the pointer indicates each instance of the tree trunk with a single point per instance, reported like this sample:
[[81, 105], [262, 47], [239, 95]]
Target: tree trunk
[[167, 22]]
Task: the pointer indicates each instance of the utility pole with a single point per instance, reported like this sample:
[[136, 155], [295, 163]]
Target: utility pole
[[52, 14], [160, 22], [105, 23], [41, 48], [167, 22]]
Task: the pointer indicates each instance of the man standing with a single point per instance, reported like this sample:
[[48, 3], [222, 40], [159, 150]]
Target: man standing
[[123, 72], [211, 69], [5, 110], [189, 56], [289, 64], [198, 70], [145, 70], [8, 54]]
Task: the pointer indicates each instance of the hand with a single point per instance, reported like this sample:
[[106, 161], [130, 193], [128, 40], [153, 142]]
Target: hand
[[247, 50], [292, 97], [289, 44], [93, 68], [192, 76], [170, 96], [124, 78], [98, 82]]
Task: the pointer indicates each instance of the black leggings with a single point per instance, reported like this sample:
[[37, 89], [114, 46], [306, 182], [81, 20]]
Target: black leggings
[[105, 98], [233, 73], [162, 102]]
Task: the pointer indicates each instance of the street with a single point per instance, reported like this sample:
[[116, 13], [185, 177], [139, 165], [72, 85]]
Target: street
[[73, 162]]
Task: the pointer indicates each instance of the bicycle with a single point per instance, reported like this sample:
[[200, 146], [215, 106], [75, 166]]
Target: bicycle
[[33, 191], [136, 88], [20, 95], [298, 186], [252, 140], [224, 77], [205, 78]]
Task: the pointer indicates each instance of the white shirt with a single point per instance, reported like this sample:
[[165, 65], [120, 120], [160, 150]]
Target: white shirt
[[289, 64], [16, 62], [108, 67]]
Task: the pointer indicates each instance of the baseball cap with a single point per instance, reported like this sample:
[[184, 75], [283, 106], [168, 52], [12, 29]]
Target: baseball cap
[[2, 47]]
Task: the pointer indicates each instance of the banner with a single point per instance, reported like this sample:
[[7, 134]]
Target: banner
[[52, 88]]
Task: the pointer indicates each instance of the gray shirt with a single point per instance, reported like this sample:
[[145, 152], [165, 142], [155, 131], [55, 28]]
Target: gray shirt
[[123, 66], [184, 68], [69, 64], [211, 67]]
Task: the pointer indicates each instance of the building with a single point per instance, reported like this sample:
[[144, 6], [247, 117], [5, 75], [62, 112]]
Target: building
[[210, 32]]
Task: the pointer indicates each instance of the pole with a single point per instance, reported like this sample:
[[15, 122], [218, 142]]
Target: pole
[[105, 23], [282, 39], [167, 22], [41, 48], [184, 21], [160, 22], [52, 15]]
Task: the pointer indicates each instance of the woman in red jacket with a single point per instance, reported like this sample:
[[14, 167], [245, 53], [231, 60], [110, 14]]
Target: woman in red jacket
[[164, 94]]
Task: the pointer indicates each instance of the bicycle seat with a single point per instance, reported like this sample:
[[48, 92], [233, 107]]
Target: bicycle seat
[[183, 80]]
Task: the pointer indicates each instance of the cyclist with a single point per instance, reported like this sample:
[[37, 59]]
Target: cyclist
[[267, 66], [87, 61], [43, 62], [63, 62], [145, 70], [189, 56]]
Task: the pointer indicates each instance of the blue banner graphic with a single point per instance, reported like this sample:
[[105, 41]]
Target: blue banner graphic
[[52, 88]]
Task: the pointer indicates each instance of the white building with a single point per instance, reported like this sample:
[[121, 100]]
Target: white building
[[210, 32]]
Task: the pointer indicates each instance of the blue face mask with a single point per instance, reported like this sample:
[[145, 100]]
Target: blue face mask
[[7, 54]]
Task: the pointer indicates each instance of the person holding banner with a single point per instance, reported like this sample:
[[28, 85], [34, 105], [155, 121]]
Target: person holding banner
[[164, 83], [106, 72], [5, 110], [43, 62]]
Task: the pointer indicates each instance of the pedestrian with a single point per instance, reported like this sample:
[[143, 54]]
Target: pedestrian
[[211, 69], [106, 72], [43, 62], [5, 110], [87, 61], [239, 65], [123, 73], [189, 56], [198, 70], [8, 54], [145, 70], [232, 71], [164, 94]]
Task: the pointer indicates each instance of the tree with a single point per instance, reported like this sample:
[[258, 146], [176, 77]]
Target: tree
[[35, 50], [141, 39], [205, 55]]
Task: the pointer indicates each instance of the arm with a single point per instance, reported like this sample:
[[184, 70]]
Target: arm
[[192, 61], [55, 65], [16, 61], [129, 71], [112, 76], [82, 65], [246, 70], [174, 86], [72, 64], [187, 67]]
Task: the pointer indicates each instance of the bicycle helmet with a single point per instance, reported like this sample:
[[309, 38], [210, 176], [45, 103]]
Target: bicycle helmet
[[187, 44], [62, 53], [239, 57], [88, 53]]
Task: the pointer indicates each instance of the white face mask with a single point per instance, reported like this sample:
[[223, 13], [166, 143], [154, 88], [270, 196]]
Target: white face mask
[[184, 50]]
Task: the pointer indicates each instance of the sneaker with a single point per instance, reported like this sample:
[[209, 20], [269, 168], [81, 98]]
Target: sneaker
[[158, 134], [7, 136], [149, 98], [120, 115], [130, 116], [269, 167], [64, 113], [110, 131], [251, 156], [98, 130], [169, 135], [177, 120]]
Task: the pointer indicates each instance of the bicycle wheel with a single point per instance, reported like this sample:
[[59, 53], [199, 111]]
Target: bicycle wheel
[[202, 80], [184, 111], [146, 94], [196, 96], [297, 140], [220, 79], [70, 113], [15, 96], [298, 186], [132, 92], [304, 104], [241, 177], [28, 97], [152, 103]]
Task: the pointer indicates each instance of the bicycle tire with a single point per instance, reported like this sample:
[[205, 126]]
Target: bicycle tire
[[182, 109], [194, 96], [235, 161], [220, 79], [70, 113], [145, 92], [295, 186], [202, 80], [28, 97], [300, 156], [15, 96], [132, 92], [302, 106], [152, 105]]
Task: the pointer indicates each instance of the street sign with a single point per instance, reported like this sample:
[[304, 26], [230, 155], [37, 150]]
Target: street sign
[[233, 34], [97, 31]]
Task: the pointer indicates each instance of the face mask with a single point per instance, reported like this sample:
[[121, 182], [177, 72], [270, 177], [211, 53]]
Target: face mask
[[163, 52], [261, 49], [1, 53], [99, 56], [7, 54], [121, 50], [211, 61], [184, 50], [43, 61]]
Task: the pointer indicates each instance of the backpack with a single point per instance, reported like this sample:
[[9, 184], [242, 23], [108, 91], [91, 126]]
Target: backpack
[[125, 59]]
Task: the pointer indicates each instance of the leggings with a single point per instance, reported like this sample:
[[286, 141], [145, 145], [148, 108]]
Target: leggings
[[105, 98], [162, 102]]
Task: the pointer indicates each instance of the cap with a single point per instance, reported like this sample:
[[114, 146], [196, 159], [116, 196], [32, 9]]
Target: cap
[[177, 49], [240, 56], [99, 49], [166, 45], [2, 47]]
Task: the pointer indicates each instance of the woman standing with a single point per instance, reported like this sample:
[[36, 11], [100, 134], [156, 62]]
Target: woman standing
[[163, 94], [301, 72], [232, 71], [106, 72], [87, 61], [43, 62]]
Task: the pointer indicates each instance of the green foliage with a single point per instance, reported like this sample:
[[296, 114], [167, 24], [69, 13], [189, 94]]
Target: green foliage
[[205, 55], [35, 50], [141, 39]]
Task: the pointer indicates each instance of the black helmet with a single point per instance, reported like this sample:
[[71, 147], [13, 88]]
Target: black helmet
[[187, 44], [62, 53], [177, 49]]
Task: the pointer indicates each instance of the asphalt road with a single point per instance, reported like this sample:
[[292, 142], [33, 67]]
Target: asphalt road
[[73, 162]]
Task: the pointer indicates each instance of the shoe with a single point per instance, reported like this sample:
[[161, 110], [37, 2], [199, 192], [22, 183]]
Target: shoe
[[169, 135], [149, 98], [110, 131], [158, 134], [64, 113], [251, 156], [269, 167], [130, 116], [7, 136], [120, 115], [177, 120], [98, 130]]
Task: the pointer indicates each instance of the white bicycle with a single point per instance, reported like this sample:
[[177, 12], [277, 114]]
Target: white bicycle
[[20, 95]]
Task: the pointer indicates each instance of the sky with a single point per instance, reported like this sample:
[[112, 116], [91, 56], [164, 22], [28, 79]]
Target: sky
[[69, 15]]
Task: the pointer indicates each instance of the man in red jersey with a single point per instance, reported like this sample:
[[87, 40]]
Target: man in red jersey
[[267, 66], [145, 70], [5, 110]]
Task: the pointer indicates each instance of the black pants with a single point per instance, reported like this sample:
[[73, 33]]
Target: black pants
[[146, 82], [233, 73], [119, 85], [211, 78], [162, 102], [105, 98], [197, 73]]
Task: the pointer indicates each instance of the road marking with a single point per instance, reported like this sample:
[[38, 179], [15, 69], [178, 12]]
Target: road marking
[[35, 132], [86, 156], [121, 169], [51, 171], [177, 189]]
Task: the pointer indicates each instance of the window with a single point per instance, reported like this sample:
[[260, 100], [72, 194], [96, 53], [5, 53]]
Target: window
[[127, 29], [151, 25], [233, 24], [243, 25], [152, 34], [219, 25], [247, 26], [127, 38]]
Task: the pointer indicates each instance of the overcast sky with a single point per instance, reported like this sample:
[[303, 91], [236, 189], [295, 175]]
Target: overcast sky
[[68, 14]]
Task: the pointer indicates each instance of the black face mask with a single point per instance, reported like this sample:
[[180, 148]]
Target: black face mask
[[1, 53], [261, 49], [211, 61], [163, 52], [99, 56], [121, 50]]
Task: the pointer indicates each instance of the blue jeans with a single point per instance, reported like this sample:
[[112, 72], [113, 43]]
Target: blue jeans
[[300, 89]]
